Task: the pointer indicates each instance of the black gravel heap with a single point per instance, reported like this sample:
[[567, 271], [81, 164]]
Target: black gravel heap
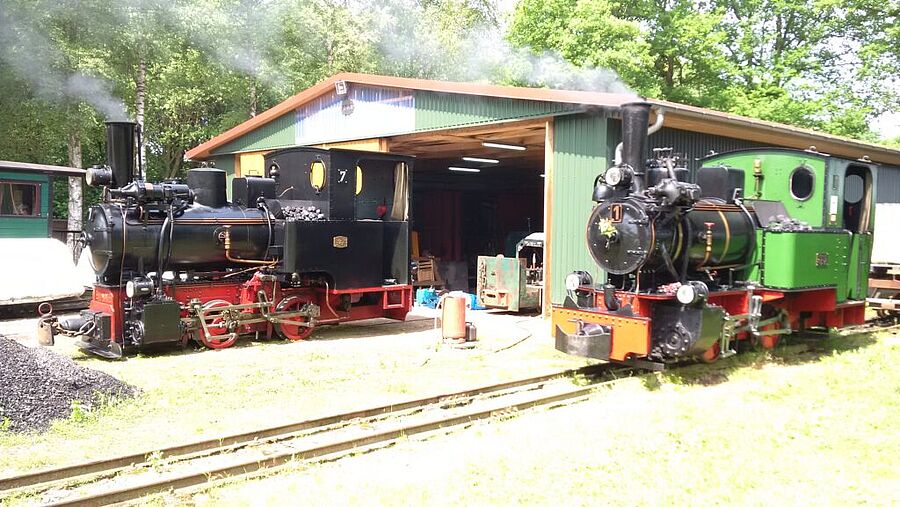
[[38, 386]]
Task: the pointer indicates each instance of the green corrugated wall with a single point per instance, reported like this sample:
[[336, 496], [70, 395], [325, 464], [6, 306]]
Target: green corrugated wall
[[28, 227], [442, 110], [278, 133], [579, 155], [226, 163]]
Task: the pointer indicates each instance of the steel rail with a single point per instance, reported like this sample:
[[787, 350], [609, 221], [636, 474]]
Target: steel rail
[[271, 434], [252, 465]]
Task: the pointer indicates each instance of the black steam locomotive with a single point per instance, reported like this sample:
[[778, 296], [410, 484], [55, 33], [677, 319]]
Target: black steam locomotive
[[323, 238], [763, 242]]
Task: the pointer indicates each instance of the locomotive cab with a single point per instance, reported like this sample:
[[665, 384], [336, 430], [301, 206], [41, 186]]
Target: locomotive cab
[[758, 247], [321, 239]]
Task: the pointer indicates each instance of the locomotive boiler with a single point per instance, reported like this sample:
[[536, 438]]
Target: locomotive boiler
[[761, 243], [321, 238]]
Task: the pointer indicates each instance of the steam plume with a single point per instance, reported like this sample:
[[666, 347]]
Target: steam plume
[[34, 58]]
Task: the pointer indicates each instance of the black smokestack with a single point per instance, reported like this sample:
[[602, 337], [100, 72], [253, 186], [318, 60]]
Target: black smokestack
[[121, 146], [635, 120]]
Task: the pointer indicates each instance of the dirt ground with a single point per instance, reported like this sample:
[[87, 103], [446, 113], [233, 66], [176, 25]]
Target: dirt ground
[[194, 393]]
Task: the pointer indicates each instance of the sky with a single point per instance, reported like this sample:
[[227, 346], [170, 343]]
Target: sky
[[888, 125]]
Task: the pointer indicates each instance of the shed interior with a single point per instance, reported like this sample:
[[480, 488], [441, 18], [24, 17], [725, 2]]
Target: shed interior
[[459, 215]]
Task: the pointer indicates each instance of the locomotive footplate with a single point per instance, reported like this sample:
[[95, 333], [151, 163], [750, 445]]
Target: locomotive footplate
[[601, 335]]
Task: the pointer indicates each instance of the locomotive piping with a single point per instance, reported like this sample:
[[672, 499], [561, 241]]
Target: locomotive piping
[[227, 239]]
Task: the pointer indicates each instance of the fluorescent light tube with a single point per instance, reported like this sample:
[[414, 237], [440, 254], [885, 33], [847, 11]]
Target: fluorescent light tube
[[464, 169], [481, 160], [503, 146]]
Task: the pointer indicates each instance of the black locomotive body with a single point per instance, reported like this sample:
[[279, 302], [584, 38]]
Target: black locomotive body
[[763, 242], [321, 238]]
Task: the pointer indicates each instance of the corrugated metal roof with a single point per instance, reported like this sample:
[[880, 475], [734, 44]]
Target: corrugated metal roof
[[680, 115]]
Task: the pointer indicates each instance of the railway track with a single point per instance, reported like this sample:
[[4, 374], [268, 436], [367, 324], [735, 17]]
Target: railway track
[[203, 463], [200, 463]]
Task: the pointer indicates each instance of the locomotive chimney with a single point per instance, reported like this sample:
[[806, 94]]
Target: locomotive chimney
[[635, 119], [120, 151]]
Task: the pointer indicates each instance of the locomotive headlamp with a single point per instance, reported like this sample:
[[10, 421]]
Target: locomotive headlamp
[[138, 287], [617, 176], [98, 176], [578, 278], [691, 292]]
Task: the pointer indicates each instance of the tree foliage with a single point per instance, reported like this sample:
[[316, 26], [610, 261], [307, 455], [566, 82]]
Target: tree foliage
[[199, 67], [813, 63]]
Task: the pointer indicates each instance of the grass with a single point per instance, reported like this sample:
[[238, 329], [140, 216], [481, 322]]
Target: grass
[[804, 425], [193, 394]]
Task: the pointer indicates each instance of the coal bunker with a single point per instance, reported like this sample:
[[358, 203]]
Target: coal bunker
[[38, 386]]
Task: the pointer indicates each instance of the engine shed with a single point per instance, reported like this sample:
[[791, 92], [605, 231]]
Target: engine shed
[[495, 163]]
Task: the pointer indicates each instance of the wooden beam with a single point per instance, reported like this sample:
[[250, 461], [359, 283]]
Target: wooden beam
[[548, 211]]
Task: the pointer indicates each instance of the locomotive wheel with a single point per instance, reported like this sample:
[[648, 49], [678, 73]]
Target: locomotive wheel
[[218, 337], [769, 341], [711, 354], [886, 313], [290, 331]]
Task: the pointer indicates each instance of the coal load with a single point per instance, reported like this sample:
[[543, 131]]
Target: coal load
[[303, 213], [38, 386]]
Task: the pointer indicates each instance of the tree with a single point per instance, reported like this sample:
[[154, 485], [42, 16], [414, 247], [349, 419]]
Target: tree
[[803, 62]]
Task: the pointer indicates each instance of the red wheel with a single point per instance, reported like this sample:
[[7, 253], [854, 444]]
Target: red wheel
[[289, 329], [711, 354], [218, 336], [769, 341]]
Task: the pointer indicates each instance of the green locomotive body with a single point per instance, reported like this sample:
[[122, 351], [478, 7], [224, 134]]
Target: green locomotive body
[[764, 242]]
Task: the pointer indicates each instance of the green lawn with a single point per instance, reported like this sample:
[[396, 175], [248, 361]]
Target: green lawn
[[814, 427], [189, 395]]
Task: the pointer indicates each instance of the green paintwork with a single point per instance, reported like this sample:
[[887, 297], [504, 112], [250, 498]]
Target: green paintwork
[[443, 110], [777, 166], [858, 274], [278, 133], [796, 260], [789, 258], [28, 227], [226, 163], [501, 284], [579, 155]]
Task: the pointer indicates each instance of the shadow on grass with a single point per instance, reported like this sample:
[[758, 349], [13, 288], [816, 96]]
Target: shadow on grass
[[794, 350]]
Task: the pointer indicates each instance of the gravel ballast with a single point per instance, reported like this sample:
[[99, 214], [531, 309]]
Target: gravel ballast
[[38, 386]]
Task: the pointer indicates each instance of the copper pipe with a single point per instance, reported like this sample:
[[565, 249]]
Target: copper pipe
[[228, 256]]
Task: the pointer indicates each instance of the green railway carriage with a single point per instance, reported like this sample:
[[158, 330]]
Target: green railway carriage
[[26, 198]]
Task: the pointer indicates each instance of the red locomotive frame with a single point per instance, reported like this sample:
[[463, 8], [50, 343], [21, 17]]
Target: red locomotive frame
[[783, 311], [216, 313]]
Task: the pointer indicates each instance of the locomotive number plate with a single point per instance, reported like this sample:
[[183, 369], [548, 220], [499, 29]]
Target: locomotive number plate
[[339, 241], [615, 213]]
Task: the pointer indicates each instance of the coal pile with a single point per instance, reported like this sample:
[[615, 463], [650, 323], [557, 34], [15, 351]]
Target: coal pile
[[38, 386], [304, 213]]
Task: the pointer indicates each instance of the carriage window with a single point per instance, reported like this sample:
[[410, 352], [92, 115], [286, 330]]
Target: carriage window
[[19, 199], [802, 183]]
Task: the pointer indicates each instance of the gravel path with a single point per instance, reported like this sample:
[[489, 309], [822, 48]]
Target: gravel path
[[38, 386]]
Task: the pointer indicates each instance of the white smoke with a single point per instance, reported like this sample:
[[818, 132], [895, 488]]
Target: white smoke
[[35, 59], [480, 53]]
